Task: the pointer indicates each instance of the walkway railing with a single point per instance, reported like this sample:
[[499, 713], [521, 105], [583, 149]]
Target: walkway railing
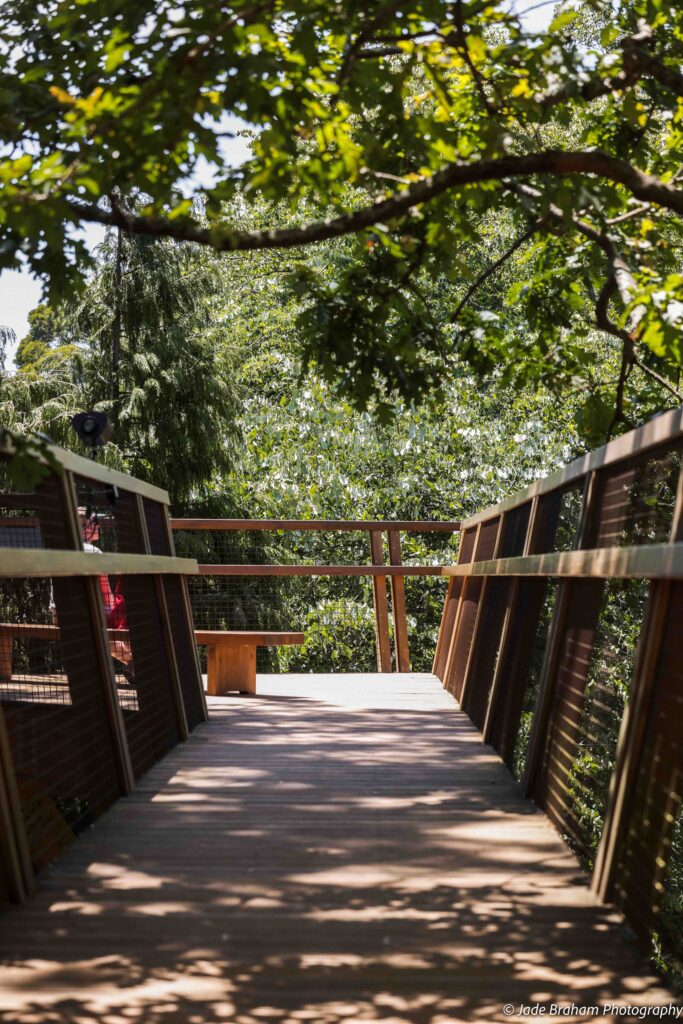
[[228, 564], [99, 675], [562, 638]]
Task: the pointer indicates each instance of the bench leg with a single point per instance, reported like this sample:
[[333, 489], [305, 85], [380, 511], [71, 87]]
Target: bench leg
[[230, 668]]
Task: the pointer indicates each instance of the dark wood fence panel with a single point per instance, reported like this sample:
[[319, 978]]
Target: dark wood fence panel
[[151, 725], [497, 601], [158, 527], [636, 501], [483, 547], [91, 693], [56, 719], [181, 626], [642, 885], [567, 655], [447, 641], [514, 667], [495, 604], [561, 728]]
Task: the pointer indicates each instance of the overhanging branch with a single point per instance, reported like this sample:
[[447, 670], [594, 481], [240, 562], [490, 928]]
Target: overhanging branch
[[555, 163]]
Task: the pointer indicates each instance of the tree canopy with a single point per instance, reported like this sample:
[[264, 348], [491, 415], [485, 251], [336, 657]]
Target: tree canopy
[[406, 121]]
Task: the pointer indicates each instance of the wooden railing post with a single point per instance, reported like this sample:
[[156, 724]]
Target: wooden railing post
[[379, 594], [124, 766], [398, 605], [506, 632], [556, 635], [476, 634], [172, 661], [189, 617]]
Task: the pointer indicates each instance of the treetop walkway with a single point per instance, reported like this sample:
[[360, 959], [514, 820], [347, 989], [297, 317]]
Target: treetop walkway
[[339, 848], [345, 847]]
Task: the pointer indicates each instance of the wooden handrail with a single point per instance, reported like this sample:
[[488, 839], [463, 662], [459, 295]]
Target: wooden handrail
[[92, 470], [320, 570], [324, 525], [45, 631], [48, 562], [647, 561]]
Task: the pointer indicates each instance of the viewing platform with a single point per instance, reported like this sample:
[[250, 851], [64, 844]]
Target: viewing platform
[[336, 848], [496, 839]]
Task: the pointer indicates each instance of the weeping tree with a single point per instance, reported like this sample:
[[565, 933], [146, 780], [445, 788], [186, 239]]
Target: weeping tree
[[151, 364], [137, 344]]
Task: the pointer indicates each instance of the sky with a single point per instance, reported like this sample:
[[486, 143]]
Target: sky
[[20, 292]]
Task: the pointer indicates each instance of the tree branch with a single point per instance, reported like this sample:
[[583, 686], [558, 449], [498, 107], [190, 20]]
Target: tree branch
[[656, 376], [605, 324], [353, 48], [484, 276], [463, 50], [556, 163], [638, 61]]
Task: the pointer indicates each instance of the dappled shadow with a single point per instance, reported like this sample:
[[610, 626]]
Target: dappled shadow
[[307, 858]]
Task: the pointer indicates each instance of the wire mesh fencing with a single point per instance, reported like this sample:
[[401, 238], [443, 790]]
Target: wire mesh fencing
[[309, 578], [561, 638], [98, 669]]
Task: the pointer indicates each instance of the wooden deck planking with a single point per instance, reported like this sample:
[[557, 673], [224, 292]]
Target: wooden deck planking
[[335, 849]]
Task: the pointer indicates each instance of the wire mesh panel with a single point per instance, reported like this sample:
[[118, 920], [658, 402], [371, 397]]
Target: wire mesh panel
[[469, 606], [649, 877], [515, 528], [557, 520], [424, 602], [32, 519], [52, 697], [519, 672], [108, 517], [274, 547], [467, 545], [637, 500], [152, 726], [553, 782], [443, 657], [485, 654], [499, 593], [588, 695], [184, 646], [155, 519]]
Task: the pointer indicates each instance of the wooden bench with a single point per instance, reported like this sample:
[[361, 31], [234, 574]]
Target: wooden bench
[[10, 631], [42, 687], [231, 656]]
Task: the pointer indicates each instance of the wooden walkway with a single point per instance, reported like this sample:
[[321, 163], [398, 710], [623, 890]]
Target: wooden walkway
[[336, 849]]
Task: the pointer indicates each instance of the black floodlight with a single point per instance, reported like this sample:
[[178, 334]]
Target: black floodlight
[[93, 428]]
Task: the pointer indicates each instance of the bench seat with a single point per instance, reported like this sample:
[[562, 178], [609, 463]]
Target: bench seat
[[231, 656]]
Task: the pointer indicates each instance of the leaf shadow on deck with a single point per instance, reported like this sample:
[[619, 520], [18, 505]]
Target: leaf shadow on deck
[[317, 860]]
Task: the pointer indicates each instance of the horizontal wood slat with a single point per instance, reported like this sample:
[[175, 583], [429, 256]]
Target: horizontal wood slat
[[30, 562], [86, 467], [661, 561], [320, 570], [237, 638], [329, 525]]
